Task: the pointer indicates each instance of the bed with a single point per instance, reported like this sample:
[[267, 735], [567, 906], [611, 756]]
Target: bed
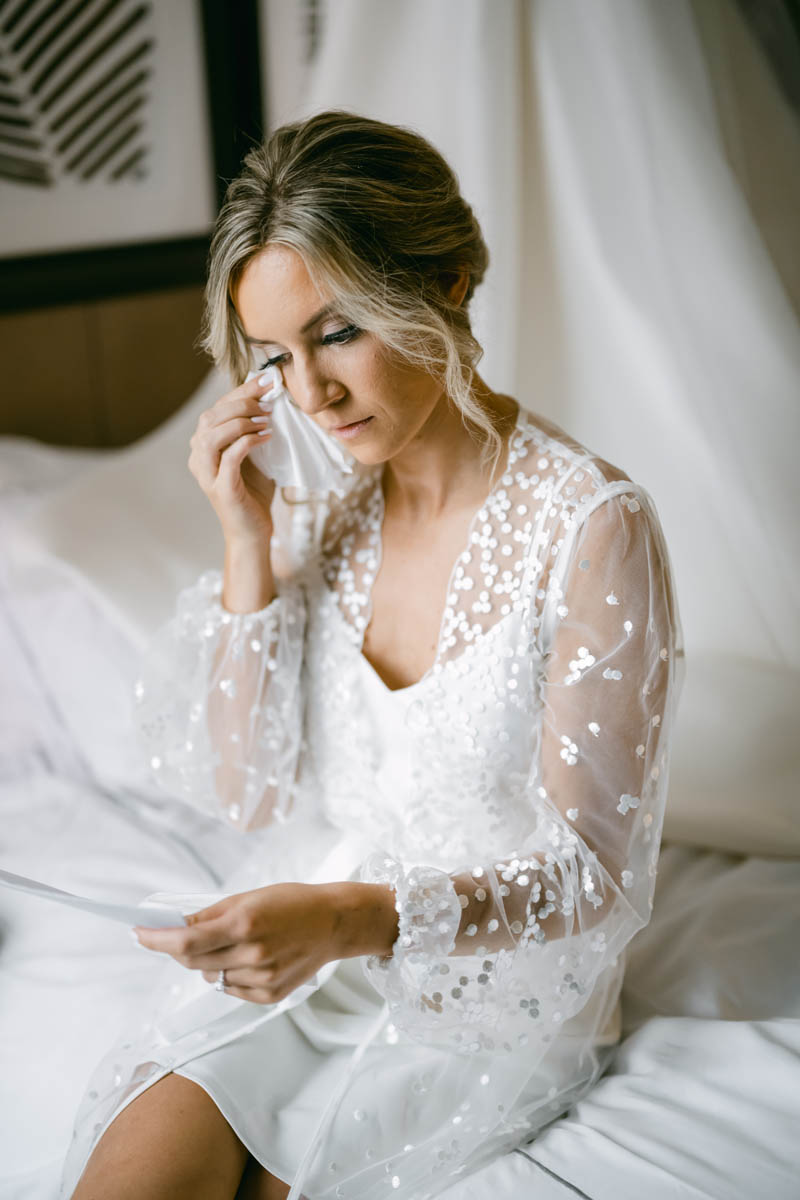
[[702, 1097]]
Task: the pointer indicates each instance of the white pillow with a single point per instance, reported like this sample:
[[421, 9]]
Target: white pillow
[[94, 568], [136, 528], [735, 770]]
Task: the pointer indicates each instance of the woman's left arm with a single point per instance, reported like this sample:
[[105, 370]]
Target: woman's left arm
[[533, 928]]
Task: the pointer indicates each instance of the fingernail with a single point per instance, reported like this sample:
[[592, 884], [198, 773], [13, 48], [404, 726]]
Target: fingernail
[[264, 432], [265, 380], [135, 940], [265, 420]]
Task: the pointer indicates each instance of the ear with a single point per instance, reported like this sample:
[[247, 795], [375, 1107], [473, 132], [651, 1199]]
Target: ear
[[454, 285]]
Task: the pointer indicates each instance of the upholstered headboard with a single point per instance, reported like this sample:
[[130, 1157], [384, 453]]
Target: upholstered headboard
[[100, 373]]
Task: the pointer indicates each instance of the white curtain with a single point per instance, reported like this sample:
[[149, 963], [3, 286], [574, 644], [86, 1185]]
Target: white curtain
[[636, 168]]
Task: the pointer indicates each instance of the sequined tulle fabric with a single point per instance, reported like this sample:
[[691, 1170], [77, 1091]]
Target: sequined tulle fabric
[[517, 810]]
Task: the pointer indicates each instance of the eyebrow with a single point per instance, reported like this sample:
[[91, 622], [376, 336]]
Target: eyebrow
[[323, 312]]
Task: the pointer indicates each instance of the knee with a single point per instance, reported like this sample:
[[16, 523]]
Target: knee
[[171, 1141]]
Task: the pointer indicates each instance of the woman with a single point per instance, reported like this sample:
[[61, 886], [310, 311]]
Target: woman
[[439, 709]]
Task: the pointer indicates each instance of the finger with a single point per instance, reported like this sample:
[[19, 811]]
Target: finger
[[253, 995], [207, 456], [214, 441], [256, 990], [247, 393], [249, 955], [187, 941], [230, 463], [230, 408], [248, 977], [252, 406], [218, 909], [255, 987], [270, 976]]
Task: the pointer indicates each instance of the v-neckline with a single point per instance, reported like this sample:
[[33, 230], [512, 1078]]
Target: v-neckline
[[381, 683], [376, 538]]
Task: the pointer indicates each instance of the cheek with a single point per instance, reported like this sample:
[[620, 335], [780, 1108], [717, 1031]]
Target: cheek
[[401, 395], [382, 391]]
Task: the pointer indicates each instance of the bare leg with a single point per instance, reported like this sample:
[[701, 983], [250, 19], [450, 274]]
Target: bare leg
[[170, 1143], [258, 1184]]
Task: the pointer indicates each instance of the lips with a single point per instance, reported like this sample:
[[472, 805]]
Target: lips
[[349, 425]]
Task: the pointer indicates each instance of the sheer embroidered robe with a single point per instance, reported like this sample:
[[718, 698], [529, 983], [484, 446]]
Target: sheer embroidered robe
[[513, 798]]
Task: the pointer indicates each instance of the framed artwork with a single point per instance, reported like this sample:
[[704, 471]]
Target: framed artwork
[[121, 123]]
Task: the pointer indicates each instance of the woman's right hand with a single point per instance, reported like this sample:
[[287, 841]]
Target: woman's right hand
[[239, 493]]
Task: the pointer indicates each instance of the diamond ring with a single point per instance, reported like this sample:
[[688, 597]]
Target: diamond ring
[[220, 984]]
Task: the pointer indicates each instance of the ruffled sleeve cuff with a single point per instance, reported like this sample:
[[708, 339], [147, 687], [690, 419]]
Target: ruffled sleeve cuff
[[199, 609], [428, 909]]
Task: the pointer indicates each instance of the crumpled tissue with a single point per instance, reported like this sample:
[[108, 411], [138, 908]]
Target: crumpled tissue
[[299, 454]]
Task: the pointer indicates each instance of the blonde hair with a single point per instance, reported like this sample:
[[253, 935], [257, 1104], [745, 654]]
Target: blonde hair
[[376, 215]]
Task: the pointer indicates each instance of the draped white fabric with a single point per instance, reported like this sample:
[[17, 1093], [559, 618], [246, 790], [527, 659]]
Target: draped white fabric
[[636, 169], [617, 155], [631, 298]]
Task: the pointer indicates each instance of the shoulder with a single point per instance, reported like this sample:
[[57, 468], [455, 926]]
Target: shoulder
[[596, 534], [550, 463], [541, 448], [566, 495]]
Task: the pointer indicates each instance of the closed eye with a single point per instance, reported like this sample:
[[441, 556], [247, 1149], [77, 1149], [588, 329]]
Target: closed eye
[[338, 338], [341, 335]]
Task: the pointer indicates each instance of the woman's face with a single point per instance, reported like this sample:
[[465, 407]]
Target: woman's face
[[341, 377]]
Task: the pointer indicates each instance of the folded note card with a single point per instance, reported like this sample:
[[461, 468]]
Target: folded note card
[[151, 916]]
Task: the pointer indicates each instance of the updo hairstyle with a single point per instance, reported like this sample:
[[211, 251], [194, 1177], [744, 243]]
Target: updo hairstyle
[[376, 215]]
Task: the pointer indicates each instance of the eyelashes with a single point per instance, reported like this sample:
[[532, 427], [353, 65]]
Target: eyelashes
[[339, 338], [341, 335]]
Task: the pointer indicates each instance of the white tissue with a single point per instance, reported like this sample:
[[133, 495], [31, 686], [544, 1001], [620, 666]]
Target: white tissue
[[299, 454]]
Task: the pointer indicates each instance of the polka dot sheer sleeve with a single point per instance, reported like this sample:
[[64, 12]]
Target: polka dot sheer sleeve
[[514, 945], [219, 707]]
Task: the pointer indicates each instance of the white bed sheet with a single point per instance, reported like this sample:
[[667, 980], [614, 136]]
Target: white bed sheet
[[703, 1095]]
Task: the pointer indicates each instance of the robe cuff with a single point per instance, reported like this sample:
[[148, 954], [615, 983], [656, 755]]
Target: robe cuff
[[428, 908]]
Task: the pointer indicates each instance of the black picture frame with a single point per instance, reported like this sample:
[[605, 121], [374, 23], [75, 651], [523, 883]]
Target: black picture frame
[[235, 117]]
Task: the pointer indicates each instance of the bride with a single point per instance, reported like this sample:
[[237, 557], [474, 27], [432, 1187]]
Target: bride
[[437, 701]]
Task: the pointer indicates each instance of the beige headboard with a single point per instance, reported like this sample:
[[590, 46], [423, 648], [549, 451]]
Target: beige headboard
[[102, 373]]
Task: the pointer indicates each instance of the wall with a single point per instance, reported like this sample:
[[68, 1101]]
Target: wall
[[101, 373]]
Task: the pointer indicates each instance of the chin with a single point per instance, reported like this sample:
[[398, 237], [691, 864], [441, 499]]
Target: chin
[[371, 453], [368, 457]]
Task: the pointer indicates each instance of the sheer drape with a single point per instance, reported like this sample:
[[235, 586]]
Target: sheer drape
[[634, 166]]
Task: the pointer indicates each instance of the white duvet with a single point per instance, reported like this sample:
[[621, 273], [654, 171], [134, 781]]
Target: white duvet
[[703, 1095]]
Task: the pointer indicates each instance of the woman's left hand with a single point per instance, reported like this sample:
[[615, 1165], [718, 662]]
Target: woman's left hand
[[272, 939]]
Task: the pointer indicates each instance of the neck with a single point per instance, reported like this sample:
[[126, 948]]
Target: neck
[[441, 468]]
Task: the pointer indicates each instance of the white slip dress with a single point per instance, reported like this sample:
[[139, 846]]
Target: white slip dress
[[278, 1085], [274, 1084]]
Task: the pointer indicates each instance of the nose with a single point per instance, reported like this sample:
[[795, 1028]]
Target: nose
[[312, 389]]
